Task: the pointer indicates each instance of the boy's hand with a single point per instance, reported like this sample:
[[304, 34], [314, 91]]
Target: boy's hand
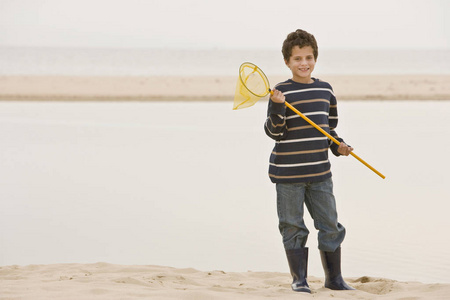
[[344, 149], [277, 96]]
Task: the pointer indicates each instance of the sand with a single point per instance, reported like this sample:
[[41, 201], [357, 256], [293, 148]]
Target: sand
[[371, 87], [109, 281]]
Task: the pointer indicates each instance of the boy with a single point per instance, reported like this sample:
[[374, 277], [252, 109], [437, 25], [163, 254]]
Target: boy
[[299, 164]]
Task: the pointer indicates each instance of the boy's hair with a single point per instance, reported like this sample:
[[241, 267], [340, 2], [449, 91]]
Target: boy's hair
[[299, 38]]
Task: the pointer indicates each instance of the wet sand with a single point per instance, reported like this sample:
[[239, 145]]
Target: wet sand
[[364, 87]]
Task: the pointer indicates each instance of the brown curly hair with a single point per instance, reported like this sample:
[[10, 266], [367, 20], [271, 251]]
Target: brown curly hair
[[299, 38]]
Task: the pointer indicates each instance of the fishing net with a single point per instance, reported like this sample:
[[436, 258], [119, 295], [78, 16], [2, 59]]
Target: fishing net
[[251, 86]]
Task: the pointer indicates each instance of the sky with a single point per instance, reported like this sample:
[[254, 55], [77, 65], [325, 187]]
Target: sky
[[230, 24]]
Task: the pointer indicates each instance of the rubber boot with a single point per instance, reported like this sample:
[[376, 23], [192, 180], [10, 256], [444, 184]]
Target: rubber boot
[[331, 262], [298, 264]]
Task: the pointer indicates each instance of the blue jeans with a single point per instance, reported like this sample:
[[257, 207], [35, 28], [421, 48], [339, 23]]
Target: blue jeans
[[319, 199]]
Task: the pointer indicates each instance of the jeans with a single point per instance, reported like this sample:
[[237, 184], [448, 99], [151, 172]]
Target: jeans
[[319, 199]]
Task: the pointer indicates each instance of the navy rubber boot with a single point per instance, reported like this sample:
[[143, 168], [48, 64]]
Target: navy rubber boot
[[298, 264], [331, 262]]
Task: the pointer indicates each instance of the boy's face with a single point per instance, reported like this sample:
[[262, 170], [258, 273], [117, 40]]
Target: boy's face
[[302, 64]]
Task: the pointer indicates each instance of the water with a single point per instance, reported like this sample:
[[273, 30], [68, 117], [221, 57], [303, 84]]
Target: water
[[213, 62], [185, 184]]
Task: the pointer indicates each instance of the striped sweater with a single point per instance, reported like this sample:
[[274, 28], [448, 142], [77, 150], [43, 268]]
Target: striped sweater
[[301, 151]]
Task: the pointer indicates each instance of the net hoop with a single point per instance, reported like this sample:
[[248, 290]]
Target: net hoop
[[261, 74]]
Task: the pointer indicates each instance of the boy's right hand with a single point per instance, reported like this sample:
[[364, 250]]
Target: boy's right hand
[[277, 96]]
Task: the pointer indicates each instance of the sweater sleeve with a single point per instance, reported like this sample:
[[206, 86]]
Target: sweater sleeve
[[275, 125], [333, 122]]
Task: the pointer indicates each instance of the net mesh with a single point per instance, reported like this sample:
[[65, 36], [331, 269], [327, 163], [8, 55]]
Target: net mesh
[[251, 86]]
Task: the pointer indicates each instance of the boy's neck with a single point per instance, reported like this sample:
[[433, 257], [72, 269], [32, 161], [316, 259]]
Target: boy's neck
[[308, 80]]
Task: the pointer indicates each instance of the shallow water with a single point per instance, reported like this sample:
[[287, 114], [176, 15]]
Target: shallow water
[[185, 185], [213, 62]]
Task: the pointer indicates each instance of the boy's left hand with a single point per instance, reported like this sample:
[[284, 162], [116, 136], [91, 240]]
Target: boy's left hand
[[344, 149]]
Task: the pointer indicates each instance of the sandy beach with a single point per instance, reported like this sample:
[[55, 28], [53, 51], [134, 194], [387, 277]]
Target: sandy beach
[[370, 87], [109, 281], [125, 173]]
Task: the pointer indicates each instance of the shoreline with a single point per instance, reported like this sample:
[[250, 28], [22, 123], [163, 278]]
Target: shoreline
[[112, 281], [210, 88]]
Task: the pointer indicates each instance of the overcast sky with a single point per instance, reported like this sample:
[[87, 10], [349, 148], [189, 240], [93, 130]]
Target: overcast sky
[[224, 24]]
